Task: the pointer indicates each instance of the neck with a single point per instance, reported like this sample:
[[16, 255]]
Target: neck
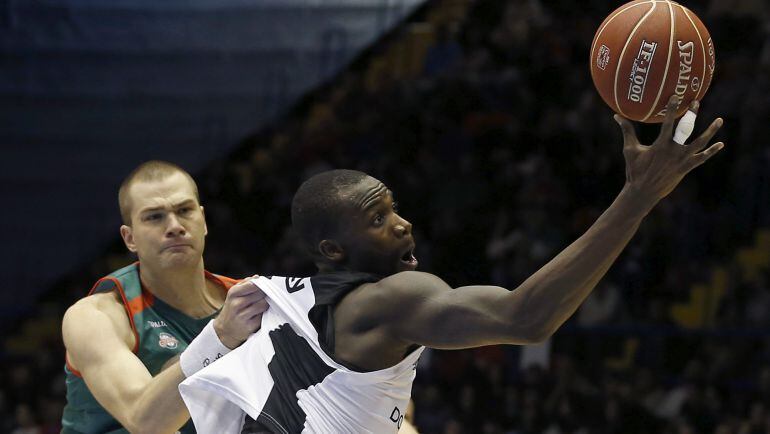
[[330, 267], [185, 289], [324, 267]]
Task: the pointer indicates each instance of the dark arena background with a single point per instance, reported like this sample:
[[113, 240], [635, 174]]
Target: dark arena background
[[482, 118]]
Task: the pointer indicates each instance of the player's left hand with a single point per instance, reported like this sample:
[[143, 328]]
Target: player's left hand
[[654, 171], [241, 315]]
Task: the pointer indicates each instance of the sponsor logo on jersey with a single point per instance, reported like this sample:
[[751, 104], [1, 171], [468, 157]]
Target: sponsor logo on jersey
[[603, 57], [166, 340], [294, 284], [157, 324], [640, 70]]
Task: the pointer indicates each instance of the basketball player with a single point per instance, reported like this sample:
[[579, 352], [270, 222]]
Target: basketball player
[[123, 339], [337, 351]]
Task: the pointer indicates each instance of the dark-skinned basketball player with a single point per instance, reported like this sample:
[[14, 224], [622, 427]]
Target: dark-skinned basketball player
[[336, 352]]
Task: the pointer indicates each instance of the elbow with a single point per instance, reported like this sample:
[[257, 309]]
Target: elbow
[[134, 427], [144, 428], [159, 415], [529, 334], [140, 425], [542, 330], [539, 336]]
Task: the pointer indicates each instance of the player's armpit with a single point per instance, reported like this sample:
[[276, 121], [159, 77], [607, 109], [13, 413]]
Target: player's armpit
[[97, 348], [421, 308]]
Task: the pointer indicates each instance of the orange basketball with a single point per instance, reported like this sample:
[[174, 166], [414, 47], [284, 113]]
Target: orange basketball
[[647, 50]]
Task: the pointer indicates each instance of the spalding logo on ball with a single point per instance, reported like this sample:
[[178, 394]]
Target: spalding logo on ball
[[647, 50]]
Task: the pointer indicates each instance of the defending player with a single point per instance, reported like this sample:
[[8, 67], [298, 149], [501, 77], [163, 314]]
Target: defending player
[[337, 351], [123, 340]]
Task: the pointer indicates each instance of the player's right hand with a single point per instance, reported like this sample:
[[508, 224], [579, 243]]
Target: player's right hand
[[655, 170], [241, 315]]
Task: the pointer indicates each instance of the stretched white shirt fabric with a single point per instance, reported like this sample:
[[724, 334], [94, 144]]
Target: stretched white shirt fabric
[[281, 380]]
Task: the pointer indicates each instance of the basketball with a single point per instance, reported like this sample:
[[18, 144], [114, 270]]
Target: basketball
[[647, 50]]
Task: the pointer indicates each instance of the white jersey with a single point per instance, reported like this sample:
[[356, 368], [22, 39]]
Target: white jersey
[[281, 380]]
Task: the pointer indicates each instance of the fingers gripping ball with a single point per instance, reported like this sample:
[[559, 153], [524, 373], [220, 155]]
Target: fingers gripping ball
[[645, 51]]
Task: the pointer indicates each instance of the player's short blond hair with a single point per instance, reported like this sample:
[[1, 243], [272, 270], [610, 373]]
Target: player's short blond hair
[[154, 170]]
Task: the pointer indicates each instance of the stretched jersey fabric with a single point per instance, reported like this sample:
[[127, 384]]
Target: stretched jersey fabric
[[161, 333], [283, 379]]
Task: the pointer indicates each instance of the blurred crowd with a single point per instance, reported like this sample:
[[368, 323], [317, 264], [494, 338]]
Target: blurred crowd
[[482, 118]]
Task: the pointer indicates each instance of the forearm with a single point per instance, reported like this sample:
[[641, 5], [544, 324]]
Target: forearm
[[159, 408], [141, 403], [551, 295]]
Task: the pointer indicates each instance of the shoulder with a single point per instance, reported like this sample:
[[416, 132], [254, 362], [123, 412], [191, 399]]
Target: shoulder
[[97, 313], [107, 303], [409, 284], [395, 295]]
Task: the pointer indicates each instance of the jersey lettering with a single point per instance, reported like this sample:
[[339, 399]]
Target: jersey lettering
[[397, 417]]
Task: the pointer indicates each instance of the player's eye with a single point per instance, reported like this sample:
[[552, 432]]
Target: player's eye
[[184, 210], [378, 219], [395, 206], [153, 217]]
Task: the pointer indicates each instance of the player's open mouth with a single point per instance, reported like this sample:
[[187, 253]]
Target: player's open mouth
[[409, 259]]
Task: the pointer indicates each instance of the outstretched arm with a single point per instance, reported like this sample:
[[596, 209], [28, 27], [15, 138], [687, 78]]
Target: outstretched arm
[[432, 314]]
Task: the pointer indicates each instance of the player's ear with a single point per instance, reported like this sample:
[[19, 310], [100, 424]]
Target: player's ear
[[205, 226], [128, 238], [331, 250]]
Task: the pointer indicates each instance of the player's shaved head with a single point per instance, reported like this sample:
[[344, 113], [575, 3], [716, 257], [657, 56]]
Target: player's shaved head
[[154, 170], [318, 203]]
